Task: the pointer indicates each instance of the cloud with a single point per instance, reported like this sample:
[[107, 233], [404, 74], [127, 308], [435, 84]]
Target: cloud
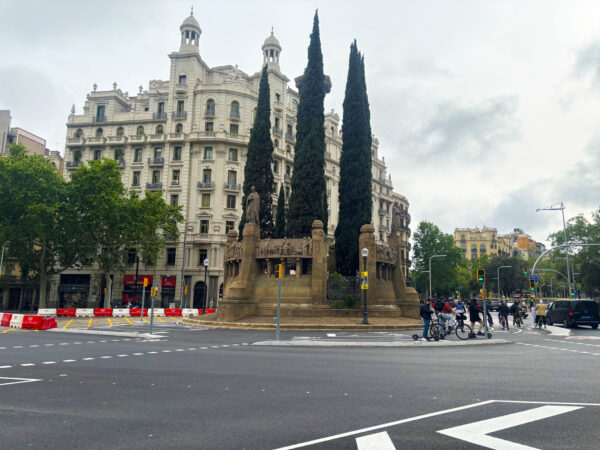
[[588, 62]]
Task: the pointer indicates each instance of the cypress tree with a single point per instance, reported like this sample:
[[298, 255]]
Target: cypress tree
[[279, 231], [258, 171], [355, 167], [309, 196]]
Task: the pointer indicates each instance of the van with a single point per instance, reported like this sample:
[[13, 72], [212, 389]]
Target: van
[[570, 313]]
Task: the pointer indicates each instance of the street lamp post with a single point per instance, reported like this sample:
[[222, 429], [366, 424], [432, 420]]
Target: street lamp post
[[551, 288], [187, 228], [205, 285], [562, 209], [500, 267], [2, 257], [433, 256], [365, 253]]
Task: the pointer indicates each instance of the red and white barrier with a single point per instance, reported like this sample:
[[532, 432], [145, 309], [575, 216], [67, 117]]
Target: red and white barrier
[[187, 311], [103, 312], [159, 312], [84, 312], [47, 312], [136, 312], [120, 312], [16, 321], [66, 312], [5, 319], [172, 312]]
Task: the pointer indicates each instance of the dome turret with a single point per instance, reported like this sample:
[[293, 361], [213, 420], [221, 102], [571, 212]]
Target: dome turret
[[190, 34], [271, 50]]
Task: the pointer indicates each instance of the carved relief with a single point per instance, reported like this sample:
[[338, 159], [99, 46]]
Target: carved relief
[[387, 254], [233, 251], [284, 248]]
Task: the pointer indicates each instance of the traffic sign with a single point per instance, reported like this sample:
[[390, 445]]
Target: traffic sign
[[533, 277]]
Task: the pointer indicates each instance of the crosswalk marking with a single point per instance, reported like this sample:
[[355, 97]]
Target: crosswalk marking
[[375, 441]]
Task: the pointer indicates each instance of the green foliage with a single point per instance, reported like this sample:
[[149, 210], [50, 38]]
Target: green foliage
[[258, 171], [308, 200], [350, 301], [279, 231], [355, 167]]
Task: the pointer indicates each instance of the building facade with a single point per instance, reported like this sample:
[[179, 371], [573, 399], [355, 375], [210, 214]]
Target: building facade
[[15, 135], [187, 137], [475, 242]]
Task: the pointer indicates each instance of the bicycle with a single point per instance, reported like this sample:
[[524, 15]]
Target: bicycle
[[503, 322], [439, 328], [518, 322]]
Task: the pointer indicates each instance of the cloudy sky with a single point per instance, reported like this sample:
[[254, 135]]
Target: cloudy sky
[[484, 110]]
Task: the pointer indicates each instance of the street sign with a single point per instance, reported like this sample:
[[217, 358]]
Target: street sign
[[533, 277]]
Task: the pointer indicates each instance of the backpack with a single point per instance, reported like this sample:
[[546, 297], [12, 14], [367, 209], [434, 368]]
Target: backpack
[[439, 304], [460, 308]]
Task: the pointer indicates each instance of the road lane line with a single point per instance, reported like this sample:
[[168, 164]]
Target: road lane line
[[68, 360], [68, 323], [28, 364], [49, 362], [33, 346], [18, 346], [121, 356], [110, 322], [5, 367], [129, 321], [158, 318], [90, 323], [105, 357], [48, 345], [137, 354], [87, 359]]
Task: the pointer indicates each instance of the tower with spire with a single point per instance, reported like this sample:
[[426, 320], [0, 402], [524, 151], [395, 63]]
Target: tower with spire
[[190, 34], [271, 50]]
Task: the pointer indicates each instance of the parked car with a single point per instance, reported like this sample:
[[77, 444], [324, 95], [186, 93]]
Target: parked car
[[495, 305], [570, 313]]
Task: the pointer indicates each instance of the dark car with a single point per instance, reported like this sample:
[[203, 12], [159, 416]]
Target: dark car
[[495, 305], [573, 312]]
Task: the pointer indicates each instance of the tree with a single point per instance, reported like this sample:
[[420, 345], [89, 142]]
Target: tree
[[258, 171], [279, 231], [429, 241], [355, 167], [308, 200]]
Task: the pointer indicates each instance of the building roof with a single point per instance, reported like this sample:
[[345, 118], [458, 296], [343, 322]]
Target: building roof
[[190, 22], [272, 41]]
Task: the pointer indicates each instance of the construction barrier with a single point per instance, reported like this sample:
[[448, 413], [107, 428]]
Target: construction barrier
[[135, 312], [16, 321], [188, 311], [66, 312], [103, 312], [120, 312], [159, 311], [84, 312], [173, 312], [49, 312], [48, 322], [208, 311], [5, 321], [32, 322]]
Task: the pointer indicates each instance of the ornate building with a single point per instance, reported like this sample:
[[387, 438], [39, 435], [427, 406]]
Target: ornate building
[[187, 137]]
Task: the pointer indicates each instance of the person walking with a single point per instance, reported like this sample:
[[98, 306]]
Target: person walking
[[474, 317], [541, 313], [425, 313], [534, 316]]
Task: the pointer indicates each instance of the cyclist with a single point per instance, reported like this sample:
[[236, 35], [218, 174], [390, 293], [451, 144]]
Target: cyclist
[[503, 314], [447, 314], [515, 310], [460, 310], [541, 314], [474, 317]]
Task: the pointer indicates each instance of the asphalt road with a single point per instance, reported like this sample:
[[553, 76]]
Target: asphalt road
[[204, 388]]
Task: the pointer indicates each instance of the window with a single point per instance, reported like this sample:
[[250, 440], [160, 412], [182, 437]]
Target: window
[[182, 80], [100, 113], [175, 178], [119, 154], [209, 127], [274, 188], [204, 227], [210, 108], [140, 131], [159, 129], [290, 130], [180, 107], [97, 154], [136, 178], [155, 176], [276, 143], [131, 256], [206, 200], [234, 128], [288, 169], [208, 153], [229, 225], [79, 133], [171, 254], [77, 156], [202, 255], [235, 110], [99, 132], [179, 128], [277, 97], [137, 156], [464, 248], [288, 148], [276, 122], [482, 248], [174, 200], [206, 175], [276, 166], [233, 154], [161, 109], [120, 131], [294, 105], [287, 192], [158, 152], [231, 201], [177, 154], [232, 177]]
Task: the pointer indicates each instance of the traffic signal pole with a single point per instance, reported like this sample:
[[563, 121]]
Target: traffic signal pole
[[279, 277], [485, 321]]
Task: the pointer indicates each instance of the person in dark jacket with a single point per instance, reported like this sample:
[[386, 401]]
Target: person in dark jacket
[[503, 313], [474, 317], [425, 313]]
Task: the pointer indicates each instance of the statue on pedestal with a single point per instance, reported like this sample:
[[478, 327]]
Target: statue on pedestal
[[253, 207], [396, 221]]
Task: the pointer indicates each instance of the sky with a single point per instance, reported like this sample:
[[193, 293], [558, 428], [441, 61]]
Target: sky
[[484, 110]]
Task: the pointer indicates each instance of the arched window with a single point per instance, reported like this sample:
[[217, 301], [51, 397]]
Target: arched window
[[179, 128], [276, 143], [210, 107], [288, 148], [159, 129], [120, 131], [140, 131], [99, 132], [294, 105], [235, 110], [79, 133]]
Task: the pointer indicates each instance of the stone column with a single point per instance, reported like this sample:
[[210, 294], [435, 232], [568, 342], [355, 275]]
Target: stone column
[[269, 267], [319, 264], [407, 297], [298, 267], [331, 261], [228, 267], [367, 240]]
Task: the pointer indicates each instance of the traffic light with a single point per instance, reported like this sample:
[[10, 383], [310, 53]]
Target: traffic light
[[532, 285], [279, 271], [525, 270], [154, 291], [573, 293], [481, 275]]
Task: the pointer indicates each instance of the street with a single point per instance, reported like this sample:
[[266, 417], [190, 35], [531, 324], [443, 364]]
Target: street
[[206, 388]]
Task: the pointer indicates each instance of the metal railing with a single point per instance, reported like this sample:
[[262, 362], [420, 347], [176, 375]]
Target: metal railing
[[73, 164], [157, 161], [210, 112], [206, 185], [159, 115], [383, 212], [290, 137], [278, 131], [154, 186], [233, 114], [179, 115], [232, 187]]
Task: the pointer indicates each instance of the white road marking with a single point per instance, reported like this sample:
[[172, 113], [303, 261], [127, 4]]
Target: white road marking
[[203, 348], [152, 353], [121, 356], [19, 380], [105, 357], [477, 432], [137, 354], [77, 343], [68, 360], [18, 346], [49, 362], [28, 364], [191, 349], [64, 343], [48, 345], [376, 441], [5, 367], [2, 348], [166, 351], [87, 359], [180, 350], [33, 346]]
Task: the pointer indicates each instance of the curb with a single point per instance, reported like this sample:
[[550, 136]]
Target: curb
[[108, 333], [296, 327], [303, 343]]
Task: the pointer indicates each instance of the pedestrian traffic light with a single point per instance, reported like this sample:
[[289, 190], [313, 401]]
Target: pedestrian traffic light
[[532, 285], [524, 270], [481, 275], [279, 271], [573, 293]]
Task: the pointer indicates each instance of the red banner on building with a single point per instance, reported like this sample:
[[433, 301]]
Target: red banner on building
[[168, 285], [129, 280]]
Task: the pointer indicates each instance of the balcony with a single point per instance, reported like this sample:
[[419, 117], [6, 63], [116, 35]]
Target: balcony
[[180, 88], [159, 116], [206, 185], [156, 138], [232, 187], [96, 140], [117, 139], [137, 138], [121, 163], [179, 115], [277, 131], [209, 112], [157, 161], [75, 141], [99, 119], [72, 165], [290, 137], [154, 186], [384, 212], [176, 137], [287, 177], [234, 115]]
